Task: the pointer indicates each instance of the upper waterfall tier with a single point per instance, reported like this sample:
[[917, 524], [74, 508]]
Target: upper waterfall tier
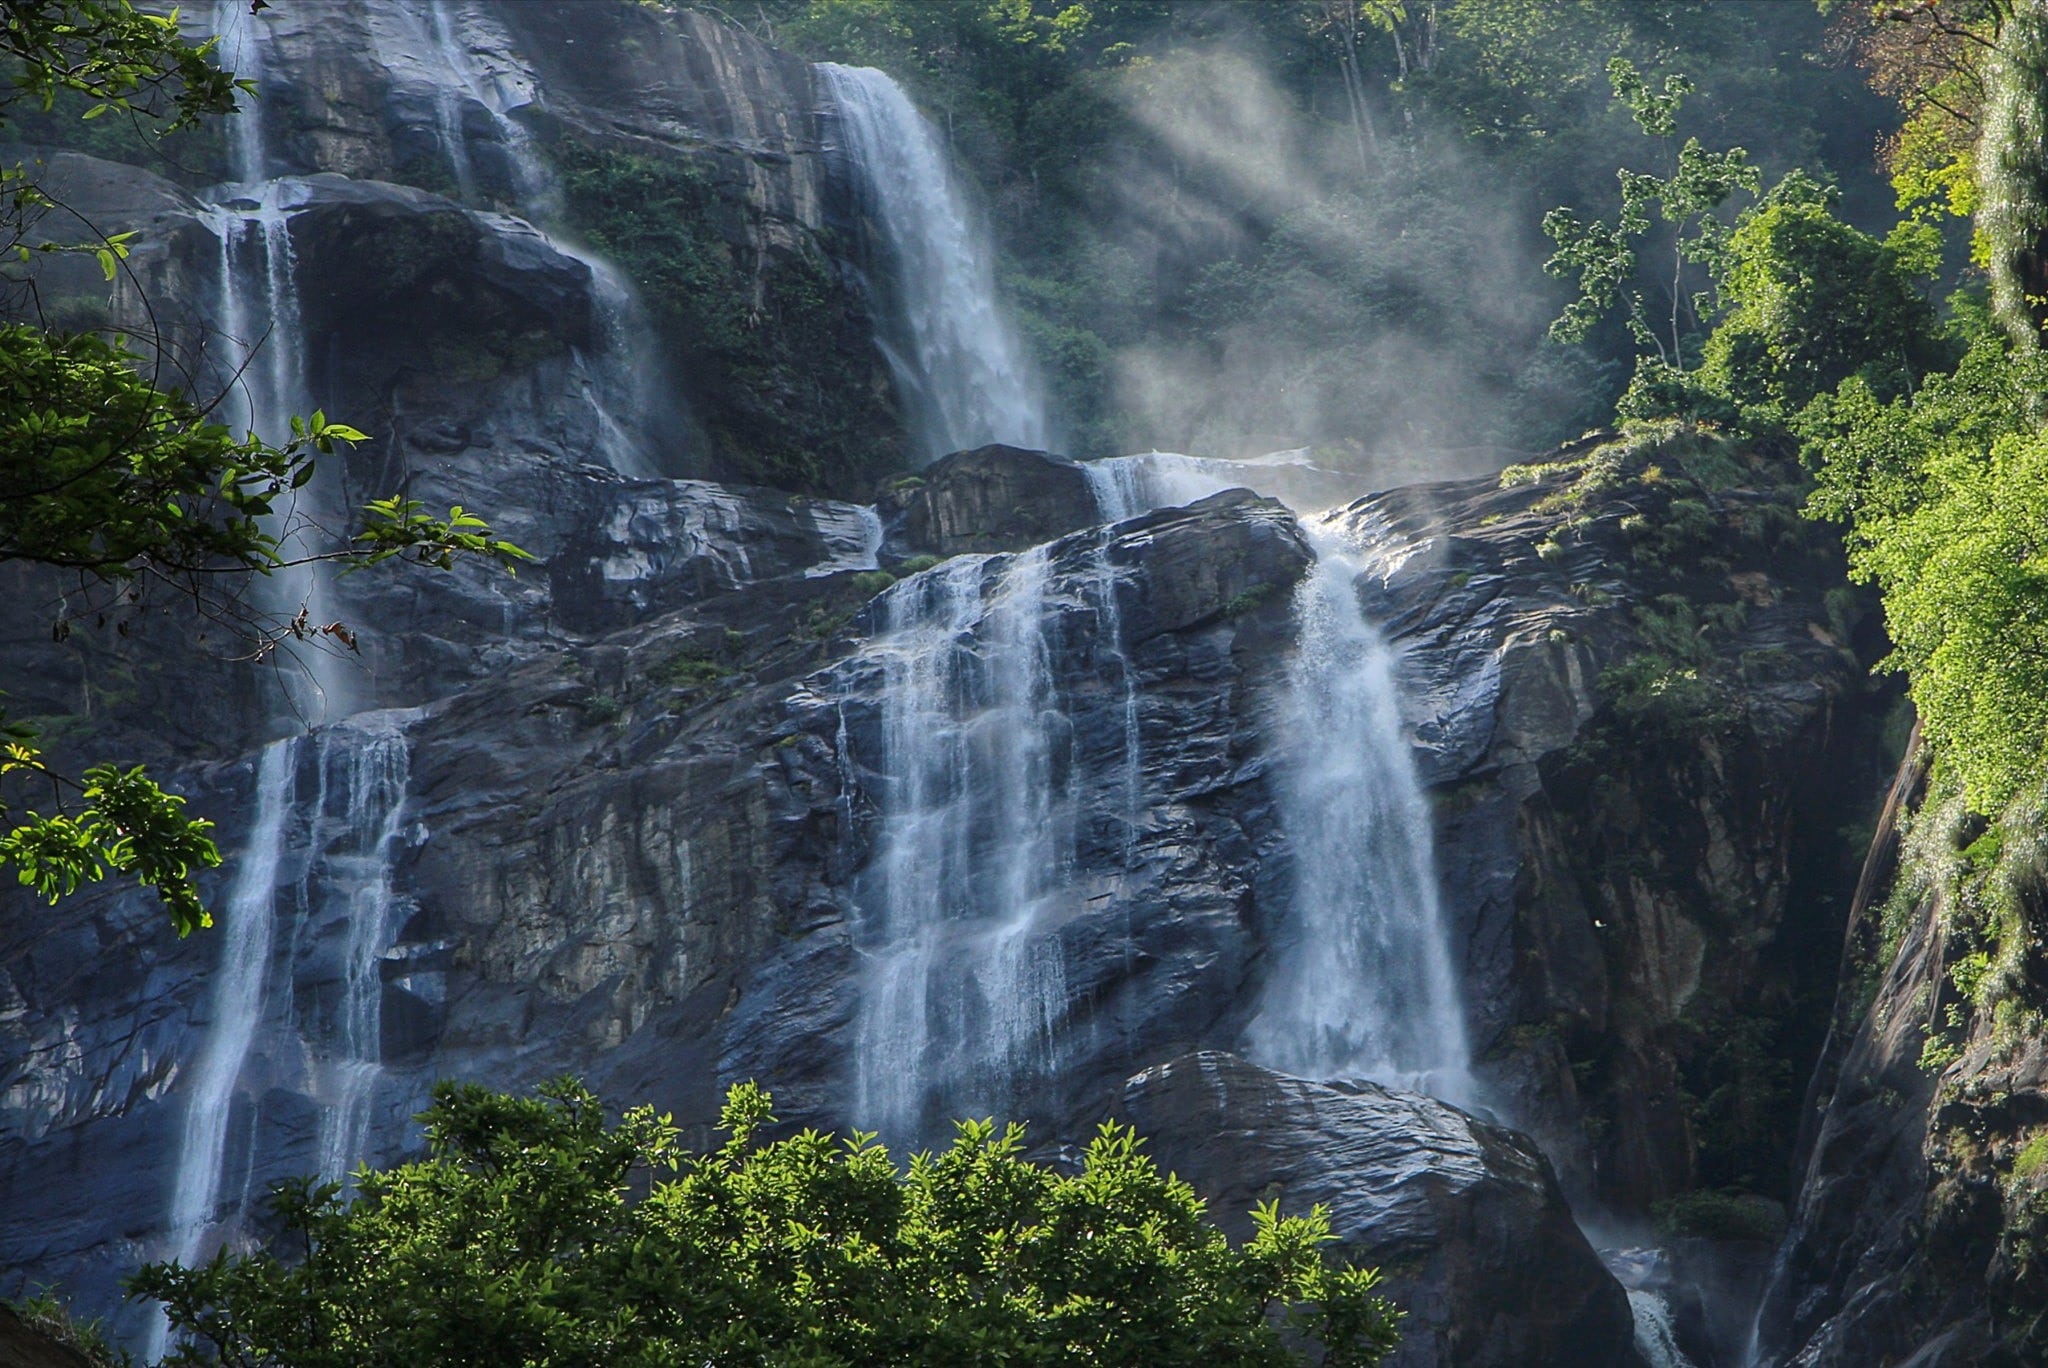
[[955, 355]]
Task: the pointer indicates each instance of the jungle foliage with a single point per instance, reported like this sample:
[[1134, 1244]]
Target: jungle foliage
[[534, 1233]]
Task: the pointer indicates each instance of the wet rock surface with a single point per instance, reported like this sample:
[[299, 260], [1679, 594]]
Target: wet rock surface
[[994, 498], [1920, 1211], [1465, 1220], [639, 798], [1644, 747]]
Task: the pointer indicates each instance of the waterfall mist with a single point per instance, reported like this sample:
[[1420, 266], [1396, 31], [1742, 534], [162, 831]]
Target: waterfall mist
[[964, 375]]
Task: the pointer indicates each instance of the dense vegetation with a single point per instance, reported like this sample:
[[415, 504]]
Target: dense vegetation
[[533, 1233]]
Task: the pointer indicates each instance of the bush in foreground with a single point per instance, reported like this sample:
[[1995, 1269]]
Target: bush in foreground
[[533, 1233]]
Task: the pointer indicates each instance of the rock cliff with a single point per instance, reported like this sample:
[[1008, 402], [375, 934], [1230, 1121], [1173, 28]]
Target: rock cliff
[[622, 815]]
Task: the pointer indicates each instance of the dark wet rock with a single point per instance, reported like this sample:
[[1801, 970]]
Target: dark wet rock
[[993, 498], [1465, 1219], [1643, 853], [26, 1346], [1919, 1219]]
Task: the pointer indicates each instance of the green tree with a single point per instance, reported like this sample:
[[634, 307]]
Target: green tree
[[1945, 499], [533, 1233], [1809, 301], [128, 487], [1604, 257]]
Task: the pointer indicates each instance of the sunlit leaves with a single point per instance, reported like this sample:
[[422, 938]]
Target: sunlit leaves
[[123, 822], [523, 1238], [1946, 499], [400, 526]]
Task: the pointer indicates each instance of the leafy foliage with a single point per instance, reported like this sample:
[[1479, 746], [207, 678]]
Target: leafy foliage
[[1944, 499], [116, 57], [534, 1233], [1603, 256], [103, 473], [1811, 301]]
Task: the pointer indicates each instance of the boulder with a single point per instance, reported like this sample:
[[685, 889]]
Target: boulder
[[1464, 1219], [993, 498]]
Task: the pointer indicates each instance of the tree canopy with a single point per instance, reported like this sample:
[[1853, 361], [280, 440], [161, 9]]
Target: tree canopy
[[533, 1233]]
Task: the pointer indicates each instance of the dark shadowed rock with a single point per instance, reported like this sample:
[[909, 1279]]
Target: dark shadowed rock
[[993, 498], [24, 1346], [1464, 1219]]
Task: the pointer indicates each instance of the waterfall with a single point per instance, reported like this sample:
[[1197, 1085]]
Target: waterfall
[[979, 784], [957, 360], [372, 760], [1125, 486], [235, 1004], [1360, 982], [1656, 1339], [258, 318]]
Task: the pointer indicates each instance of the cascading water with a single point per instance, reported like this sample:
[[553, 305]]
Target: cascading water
[[972, 746], [258, 319], [980, 781], [235, 1005], [351, 823], [623, 385], [371, 759], [1656, 1339], [258, 316], [954, 354], [1361, 983], [1125, 486]]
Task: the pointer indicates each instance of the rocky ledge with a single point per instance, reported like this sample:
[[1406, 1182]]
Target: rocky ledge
[[1464, 1219]]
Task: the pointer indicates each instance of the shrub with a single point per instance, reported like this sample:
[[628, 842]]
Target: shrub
[[533, 1233]]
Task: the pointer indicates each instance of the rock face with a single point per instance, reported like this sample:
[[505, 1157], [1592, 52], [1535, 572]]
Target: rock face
[[622, 815], [1464, 1219], [1645, 713], [1917, 1232], [994, 498], [24, 1346]]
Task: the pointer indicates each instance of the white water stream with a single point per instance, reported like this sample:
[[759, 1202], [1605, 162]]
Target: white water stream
[[1656, 1340], [370, 760], [1361, 983], [623, 384], [955, 355], [982, 781], [965, 981], [259, 321], [235, 1008]]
